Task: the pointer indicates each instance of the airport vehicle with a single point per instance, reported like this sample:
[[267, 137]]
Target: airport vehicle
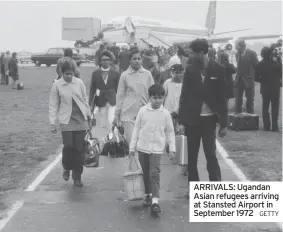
[[24, 57], [53, 55]]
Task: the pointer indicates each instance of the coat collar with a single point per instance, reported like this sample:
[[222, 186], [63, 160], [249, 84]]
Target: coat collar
[[131, 70], [148, 107], [63, 82]]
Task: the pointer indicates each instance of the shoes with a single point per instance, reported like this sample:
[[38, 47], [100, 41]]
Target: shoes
[[78, 183], [147, 201], [155, 208], [66, 175]]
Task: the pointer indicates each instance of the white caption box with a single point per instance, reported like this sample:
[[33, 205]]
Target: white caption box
[[236, 202]]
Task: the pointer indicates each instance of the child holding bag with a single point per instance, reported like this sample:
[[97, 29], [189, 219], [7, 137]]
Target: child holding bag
[[153, 127]]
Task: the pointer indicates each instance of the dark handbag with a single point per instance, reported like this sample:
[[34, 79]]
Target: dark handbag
[[20, 86], [92, 150], [115, 144], [243, 121]]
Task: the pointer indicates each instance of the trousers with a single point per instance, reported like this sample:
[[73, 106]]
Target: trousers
[[150, 164], [274, 99], [205, 131], [106, 116], [128, 128], [250, 94], [73, 152]]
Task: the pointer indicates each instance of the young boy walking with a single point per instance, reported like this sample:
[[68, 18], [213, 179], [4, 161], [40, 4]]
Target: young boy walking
[[173, 87], [153, 127]]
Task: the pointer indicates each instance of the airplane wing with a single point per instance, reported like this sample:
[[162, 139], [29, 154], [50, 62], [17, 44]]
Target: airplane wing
[[247, 37], [249, 34]]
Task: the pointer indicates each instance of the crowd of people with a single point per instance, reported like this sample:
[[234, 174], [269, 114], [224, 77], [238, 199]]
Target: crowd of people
[[9, 68], [190, 95]]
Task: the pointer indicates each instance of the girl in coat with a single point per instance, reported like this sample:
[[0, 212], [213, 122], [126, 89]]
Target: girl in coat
[[68, 101], [132, 93]]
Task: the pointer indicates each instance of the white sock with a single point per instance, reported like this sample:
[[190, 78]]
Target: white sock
[[148, 195], [155, 200]]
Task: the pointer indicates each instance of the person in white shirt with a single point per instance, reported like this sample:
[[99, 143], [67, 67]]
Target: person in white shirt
[[153, 127], [173, 88]]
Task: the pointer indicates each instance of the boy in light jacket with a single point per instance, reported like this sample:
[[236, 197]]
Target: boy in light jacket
[[153, 127]]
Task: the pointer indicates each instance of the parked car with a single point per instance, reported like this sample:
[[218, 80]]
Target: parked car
[[53, 55], [24, 57]]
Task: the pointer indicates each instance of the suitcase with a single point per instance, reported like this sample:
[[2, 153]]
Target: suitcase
[[243, 121], [181, 157]]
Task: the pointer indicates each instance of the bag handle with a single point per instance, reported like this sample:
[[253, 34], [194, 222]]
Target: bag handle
[[88, 134], [136, 162]]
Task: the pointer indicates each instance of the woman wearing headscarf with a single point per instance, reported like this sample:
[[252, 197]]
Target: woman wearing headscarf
[[68, 53], [132, 93], [68, 102]]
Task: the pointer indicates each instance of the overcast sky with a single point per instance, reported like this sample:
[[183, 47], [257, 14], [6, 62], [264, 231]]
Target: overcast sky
[[35, 26]]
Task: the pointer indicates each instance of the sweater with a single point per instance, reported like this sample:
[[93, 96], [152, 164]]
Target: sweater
[[153, 127]]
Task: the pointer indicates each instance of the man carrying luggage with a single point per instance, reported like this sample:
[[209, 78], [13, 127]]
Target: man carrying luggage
[[202, 104]]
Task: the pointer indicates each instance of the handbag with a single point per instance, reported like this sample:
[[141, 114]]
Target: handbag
[[115, 143], [92, 150], [20, 86]]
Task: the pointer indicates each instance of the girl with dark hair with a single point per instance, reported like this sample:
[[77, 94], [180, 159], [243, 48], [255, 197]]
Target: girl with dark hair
[[68, 53], [132, 93], [104, 85], [230, 69], [68, 102]]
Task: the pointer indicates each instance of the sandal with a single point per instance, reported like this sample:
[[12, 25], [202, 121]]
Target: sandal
[[155, 208], [147, 201]]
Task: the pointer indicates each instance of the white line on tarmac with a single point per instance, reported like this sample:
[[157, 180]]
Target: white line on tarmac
[[43, 174], [17, 205], [238, 172], [241, 176]]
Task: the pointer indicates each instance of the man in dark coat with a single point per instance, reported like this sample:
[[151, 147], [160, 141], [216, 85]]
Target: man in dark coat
[[2, 69], [244, 81], [13, 70], [202, 104], [269, 74]]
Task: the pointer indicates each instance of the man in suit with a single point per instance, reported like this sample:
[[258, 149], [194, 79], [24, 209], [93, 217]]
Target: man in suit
[[244, 81], [202, 104], [269, 74], [103, 89]]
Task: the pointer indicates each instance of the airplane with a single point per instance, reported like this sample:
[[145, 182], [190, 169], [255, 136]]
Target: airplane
[[146, 31]]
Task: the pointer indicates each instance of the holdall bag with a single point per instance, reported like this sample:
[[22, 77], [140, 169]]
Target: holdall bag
[[115, 144], [243, 121], [133, 180], [92, 151], [20, 86]]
